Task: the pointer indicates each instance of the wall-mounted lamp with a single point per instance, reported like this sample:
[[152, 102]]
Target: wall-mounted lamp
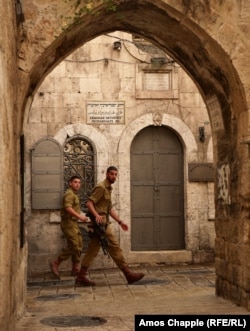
[[202, 134], [117, 45]]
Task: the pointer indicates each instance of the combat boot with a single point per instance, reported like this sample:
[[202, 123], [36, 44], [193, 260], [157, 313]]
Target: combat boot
[[54, 267], [75, 269], [132, 277], [82, 280]]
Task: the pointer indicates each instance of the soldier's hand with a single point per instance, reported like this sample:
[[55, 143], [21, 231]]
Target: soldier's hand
[[83, 218], [99, 219], [124, 226]]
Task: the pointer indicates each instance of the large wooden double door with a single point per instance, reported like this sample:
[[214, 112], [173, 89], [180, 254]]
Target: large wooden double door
[[157, 202]]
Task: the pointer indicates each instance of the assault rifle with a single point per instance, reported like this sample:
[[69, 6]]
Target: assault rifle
[[99, 230]]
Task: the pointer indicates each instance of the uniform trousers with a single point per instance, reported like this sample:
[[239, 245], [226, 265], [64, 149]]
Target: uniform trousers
[[113, 248], [73, 236]]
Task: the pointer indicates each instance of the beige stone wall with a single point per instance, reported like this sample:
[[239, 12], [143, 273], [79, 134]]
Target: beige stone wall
[[97, 72], [210, 39], [12, 257]]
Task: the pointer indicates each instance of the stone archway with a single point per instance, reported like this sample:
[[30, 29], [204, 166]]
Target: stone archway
[[125, 142], [181, 34]]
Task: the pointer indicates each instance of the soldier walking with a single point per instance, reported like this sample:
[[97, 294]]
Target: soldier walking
[[100, 206]]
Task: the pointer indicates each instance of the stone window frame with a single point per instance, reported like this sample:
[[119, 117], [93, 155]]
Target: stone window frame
[[143, 69]]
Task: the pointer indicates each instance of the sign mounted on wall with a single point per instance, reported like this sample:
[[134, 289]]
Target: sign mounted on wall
[[105, 112], [201, 172]]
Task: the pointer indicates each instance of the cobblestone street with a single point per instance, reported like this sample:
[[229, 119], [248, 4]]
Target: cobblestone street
[[112, 304]]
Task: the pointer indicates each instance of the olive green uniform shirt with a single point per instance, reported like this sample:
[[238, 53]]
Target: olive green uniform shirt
[[101, 197], [70, 199]]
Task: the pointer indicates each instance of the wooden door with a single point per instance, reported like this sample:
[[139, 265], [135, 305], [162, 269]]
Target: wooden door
[[157, 190]]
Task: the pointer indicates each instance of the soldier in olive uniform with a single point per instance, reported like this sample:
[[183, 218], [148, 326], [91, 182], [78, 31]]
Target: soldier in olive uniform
[[100, 206], [70, 214]]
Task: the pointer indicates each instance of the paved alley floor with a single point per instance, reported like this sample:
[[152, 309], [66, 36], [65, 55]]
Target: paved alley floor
[[112, 304]]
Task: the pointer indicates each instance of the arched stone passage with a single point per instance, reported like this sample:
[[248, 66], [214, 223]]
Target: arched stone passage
[[211, 68], [185, 41], [191, 46]]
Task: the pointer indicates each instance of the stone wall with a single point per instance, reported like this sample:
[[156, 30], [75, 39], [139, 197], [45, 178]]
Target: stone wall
[[97, 71], [209, 40], [12, 257]]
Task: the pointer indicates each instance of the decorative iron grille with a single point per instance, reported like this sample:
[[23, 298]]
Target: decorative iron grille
[[79, 159]]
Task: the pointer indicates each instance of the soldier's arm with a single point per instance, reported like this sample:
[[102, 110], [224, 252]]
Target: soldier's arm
[[116, 217]]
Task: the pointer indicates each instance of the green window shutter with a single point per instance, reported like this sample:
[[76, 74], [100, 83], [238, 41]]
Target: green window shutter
[[47, 174]]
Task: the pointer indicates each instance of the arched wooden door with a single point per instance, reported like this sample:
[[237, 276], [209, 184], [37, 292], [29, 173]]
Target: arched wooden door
[[157, 203]]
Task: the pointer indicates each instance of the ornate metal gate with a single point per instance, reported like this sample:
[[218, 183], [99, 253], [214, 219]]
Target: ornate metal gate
[[79, 159]]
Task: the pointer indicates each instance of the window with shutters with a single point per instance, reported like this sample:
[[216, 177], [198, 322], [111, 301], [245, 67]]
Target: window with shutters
[[47, 174], [53, 165]]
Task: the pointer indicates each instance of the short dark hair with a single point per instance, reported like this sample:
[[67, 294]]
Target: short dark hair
[[112, 168], [74, 177]]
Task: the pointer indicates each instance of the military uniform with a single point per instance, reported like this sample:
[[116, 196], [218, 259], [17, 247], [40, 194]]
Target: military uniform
[[70, 228], [101, 197]]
